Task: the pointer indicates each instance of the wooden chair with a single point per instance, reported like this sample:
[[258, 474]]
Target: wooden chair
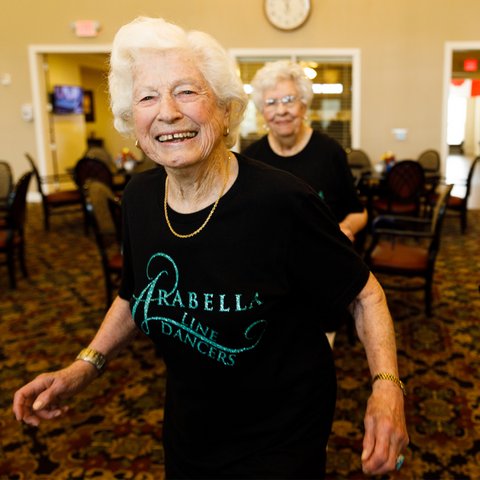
[[429, 160], [100, 153], [459, 204], [105, 227], [12, 229], [115, 207], [403, 190], [357, 158], [58, 202], [92, 168], [6, 185], [360, 166], [408, 247], [89, 168]]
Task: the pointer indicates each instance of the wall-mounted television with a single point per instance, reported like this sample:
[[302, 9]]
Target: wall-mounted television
[[67, 99]]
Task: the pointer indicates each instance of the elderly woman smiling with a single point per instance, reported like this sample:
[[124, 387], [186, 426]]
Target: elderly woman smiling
[[282, 93], [219, 252]]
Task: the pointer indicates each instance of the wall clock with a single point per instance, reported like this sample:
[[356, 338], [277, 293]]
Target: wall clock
[[287, 14]]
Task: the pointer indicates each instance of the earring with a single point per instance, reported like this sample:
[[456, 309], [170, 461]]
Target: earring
[[226, 132], [136, 143]]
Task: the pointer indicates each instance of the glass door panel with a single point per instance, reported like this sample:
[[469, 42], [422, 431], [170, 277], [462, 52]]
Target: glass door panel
[[331, 108]]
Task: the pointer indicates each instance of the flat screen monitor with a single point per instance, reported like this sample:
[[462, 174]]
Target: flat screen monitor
[[67, 99]]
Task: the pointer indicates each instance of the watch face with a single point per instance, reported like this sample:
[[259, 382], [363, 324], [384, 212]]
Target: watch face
[[287, 14]]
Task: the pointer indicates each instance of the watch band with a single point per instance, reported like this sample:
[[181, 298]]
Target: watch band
[[97, 359], [392, 378]]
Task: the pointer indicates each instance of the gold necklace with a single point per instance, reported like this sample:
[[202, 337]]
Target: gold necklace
[[201, 227]]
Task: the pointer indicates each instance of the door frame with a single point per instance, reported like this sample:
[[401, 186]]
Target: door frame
[[450, 48], [36, 60]]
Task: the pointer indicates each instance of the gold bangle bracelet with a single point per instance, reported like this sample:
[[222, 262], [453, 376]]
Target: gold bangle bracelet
[[392, 378], [90, 355]]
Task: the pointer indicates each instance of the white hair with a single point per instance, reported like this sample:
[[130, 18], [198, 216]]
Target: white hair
[[273, 72], [147, 34]]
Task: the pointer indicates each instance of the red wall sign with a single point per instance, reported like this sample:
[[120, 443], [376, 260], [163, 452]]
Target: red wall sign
[[470, 65]]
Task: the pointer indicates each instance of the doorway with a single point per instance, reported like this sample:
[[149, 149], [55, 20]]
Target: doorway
[[463, 134], [461, 114], [46, 137]]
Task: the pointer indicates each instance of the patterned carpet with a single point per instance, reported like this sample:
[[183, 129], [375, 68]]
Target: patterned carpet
[[114, 429]]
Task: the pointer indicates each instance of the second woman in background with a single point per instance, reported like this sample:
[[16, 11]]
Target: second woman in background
[[282, 93]]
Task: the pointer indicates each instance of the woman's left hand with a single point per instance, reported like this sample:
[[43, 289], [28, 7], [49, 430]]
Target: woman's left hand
[[386, 434]]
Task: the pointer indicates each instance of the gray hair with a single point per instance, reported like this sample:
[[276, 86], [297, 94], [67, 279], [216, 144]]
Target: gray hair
[[273, 72], [147, 34]]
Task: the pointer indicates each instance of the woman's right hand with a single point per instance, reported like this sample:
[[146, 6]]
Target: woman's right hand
[[42, 398]]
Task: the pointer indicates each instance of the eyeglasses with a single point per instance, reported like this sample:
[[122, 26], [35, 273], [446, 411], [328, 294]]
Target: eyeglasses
[[287, 101]]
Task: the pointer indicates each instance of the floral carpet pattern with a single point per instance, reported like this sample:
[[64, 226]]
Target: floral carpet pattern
[[113, 430]]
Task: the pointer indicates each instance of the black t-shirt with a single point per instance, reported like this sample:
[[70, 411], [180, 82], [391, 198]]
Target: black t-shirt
[[237, 312], [322, 164]]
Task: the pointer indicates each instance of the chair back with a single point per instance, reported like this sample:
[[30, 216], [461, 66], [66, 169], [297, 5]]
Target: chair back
[[17, 207], [98, 195], [360, 167], [471, 171], [100, 153], [429, 160], [358, 159], [405, 182], [438, 216], [440, 207], [408, 246], [6, 182], [36, 173], [115, 207], [92, 168]]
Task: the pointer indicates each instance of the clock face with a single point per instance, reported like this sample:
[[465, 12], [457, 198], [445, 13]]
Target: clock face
[[287, 14]]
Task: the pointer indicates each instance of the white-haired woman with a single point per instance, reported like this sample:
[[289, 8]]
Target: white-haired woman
[[283, 93], [219, 253]]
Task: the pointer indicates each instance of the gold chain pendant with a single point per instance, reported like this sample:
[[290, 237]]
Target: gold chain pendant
[[201, 227]]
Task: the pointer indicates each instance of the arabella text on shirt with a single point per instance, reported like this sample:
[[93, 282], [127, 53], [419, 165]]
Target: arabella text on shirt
[[162, 291]]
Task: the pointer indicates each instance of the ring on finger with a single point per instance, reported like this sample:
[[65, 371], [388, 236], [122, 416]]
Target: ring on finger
[[399, 463]]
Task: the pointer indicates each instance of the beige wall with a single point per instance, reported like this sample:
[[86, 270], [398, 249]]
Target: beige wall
[[401, 42]]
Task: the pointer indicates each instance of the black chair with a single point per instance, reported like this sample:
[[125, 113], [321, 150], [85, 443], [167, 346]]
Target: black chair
[[404, 246], [12, 229], [403, 190], [100, 203], [92, 168], [57, 202]]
